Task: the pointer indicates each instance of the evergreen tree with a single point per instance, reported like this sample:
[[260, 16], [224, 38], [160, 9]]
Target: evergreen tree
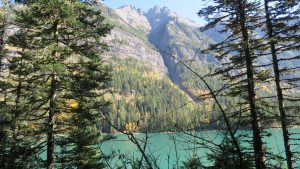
[[193, 163], [19, 145], [3, 115], [64, 40], [282, 23], [237, 20], [225, 157], [85, 111]]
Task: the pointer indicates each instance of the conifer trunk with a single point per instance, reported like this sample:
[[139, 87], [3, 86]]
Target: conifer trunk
[[53, 107], [283, 118], [257, 134], [50, 141], [1, 48], [14, 128], [3, 25]]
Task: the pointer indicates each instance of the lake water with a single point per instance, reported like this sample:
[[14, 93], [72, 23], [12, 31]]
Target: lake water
[[163, 145]]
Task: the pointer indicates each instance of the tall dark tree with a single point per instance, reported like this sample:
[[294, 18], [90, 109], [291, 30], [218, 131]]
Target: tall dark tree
[[225, 157], [4, 116], [83, 138], [282, 23], [64, 38], [19, 146], [237, 20], [4, 24]]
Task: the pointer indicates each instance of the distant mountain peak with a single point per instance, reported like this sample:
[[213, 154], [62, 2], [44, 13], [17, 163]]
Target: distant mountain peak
[[145, 21], [135, 17], [156, 8], [127, 6], [167, 11], [158, 15], [131, 7], [160, 12]]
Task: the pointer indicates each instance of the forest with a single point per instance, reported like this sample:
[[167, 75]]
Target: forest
[[63, 94]]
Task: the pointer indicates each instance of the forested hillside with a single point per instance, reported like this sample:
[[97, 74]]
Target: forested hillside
[[151, 101]]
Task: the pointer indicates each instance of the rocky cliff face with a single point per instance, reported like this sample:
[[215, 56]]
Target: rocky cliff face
[[125, 45], [129, 37], [134, 17], [180, 37]]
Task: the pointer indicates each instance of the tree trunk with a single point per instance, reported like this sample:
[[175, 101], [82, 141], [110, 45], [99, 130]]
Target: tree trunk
[[53, 107], [14, 129], [50, 141], [257, 134], [283, 118]]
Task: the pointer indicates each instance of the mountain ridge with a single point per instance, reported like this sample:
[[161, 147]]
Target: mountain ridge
[[153, 15], [147, 80], [166, 33]]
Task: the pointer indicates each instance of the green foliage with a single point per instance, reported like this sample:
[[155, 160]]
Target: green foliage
[[193, 163], [56, 85], [226, 157], [150, 99], [79, 149], [16, 141]]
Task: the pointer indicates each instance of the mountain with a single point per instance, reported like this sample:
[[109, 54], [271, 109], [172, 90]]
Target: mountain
[[151, 88], [134, 17], [170, 33], [126, 41], [147, 81]]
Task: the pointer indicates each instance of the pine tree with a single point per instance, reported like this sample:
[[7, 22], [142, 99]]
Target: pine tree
[[19, 145], [3, 86], [84, 135], [3, 28], [65, 39], [192, 163], [26, 139], [237, 52], [225, 157], [281, 14]]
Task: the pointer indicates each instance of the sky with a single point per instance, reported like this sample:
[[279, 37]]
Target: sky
[[185, 8]]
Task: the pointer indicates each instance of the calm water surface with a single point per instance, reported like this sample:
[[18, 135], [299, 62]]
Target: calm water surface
[[163, 145]]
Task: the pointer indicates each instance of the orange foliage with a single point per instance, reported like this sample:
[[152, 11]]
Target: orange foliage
[[130, 127]]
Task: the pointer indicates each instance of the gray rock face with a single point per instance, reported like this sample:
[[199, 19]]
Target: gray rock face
[[124, 45], [134, 17], [172, 33], [158, 16]]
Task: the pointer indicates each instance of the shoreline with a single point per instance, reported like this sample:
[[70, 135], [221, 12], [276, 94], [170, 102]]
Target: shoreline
[[205, 130]]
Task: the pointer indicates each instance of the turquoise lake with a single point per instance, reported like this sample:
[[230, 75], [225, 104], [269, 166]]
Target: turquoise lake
[[162, 145]]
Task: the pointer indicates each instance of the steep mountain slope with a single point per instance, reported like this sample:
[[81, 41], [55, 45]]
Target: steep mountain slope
[[147, 81], [140, 35], [127, 42], [180, 37], [135, 17]]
